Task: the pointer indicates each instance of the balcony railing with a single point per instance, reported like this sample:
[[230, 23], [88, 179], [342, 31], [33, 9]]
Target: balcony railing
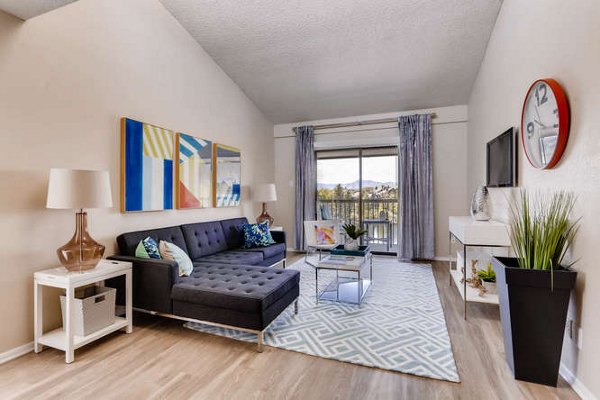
[[379, 216]]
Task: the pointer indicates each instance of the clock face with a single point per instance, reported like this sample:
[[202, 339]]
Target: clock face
[[543, 132]]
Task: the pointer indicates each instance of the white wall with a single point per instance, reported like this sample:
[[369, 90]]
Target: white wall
[[66, 78], [449, 162], [559, 39]]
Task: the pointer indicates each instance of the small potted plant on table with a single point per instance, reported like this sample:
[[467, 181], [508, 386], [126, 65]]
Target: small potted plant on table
[[488, 279], [353, 233], [534, 288]]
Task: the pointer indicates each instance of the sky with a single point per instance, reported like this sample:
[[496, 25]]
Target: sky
[[345, 170]]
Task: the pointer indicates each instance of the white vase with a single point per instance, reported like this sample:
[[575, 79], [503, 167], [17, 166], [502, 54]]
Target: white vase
[[351, 244], [490, 287], [479, 204]]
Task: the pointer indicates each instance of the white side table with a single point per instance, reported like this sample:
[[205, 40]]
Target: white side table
[[470, 233], [64, 338]]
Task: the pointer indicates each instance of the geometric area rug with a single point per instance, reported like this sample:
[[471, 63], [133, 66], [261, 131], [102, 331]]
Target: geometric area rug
[[400, 325]]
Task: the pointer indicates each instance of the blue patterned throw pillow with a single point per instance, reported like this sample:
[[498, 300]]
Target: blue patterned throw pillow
[[257, 235], [147, 248]]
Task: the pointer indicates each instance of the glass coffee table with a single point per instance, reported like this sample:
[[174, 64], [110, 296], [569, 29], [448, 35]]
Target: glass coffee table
[[345, 289]]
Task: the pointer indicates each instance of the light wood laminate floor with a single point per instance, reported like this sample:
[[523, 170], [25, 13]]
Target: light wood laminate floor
[[161, 359]]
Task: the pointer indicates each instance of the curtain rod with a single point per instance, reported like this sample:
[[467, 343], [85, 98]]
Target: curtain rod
[[360, 123]]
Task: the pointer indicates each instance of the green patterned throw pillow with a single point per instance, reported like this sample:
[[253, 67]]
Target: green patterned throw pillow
[[147, 248]]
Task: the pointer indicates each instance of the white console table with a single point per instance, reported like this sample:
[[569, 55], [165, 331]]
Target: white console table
[[471, 233]]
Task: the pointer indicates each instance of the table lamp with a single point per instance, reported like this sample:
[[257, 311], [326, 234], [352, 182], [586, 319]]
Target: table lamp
[[264, 193], [79, 189]]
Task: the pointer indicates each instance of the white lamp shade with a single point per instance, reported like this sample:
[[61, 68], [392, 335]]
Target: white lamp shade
[[265, 192], [75, 188]]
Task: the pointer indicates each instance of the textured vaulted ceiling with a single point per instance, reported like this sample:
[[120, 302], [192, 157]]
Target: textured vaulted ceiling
[[312, 59], [26, 9]]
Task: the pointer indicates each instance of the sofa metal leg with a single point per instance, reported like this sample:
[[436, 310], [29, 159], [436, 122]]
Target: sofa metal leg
[[260, 335], [284, 263], [296, 307]]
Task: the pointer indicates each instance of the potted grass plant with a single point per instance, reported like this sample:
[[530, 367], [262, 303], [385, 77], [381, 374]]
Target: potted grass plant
[[534, 287], [353, 233]]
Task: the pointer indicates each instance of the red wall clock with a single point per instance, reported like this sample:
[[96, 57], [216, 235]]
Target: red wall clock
[[545, 123]]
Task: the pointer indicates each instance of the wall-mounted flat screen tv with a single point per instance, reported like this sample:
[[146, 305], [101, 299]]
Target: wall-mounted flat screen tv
[[502, 160]]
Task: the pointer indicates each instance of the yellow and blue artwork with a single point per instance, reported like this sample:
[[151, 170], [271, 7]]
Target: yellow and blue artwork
[[146, 166], [227, 175], [194, 172]]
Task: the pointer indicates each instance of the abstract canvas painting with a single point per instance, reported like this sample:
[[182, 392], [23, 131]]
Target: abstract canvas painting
[[194, 172], [227, 175], [146, 166]]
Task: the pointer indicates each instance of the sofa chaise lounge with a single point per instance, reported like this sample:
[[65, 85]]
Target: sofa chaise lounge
[[229, 286]]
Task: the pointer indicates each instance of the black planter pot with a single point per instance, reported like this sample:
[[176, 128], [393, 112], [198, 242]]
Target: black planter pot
[[533, 318]]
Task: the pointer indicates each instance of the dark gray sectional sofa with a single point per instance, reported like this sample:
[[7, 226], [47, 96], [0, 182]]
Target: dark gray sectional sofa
[[230, 286]]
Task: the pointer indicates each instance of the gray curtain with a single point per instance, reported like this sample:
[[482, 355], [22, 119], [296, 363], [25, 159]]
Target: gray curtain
[[306, 181], [415, 184]]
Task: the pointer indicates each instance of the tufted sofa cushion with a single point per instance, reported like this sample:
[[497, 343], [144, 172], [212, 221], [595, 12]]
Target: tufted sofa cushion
[[128, 241], [240, 288], [204, 239], [273, 250], [232, 228], [233, 257]]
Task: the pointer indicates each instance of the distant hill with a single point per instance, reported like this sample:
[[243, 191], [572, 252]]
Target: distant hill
[[355, 184]]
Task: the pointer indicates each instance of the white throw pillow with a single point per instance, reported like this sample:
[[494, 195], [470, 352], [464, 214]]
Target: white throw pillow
[[169, 251]]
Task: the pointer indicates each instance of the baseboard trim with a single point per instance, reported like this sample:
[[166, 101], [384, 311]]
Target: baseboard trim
[[577, 386], [16, 352]]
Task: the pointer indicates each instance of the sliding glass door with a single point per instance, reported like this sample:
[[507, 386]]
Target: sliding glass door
[[359, 186]]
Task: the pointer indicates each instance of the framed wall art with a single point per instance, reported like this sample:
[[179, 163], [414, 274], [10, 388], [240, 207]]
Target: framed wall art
[[146, 166], [227, 175], [194, 172]]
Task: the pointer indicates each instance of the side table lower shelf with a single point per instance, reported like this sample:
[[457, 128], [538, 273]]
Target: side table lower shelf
[[57, 338], [346, 290], [472, 293]]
